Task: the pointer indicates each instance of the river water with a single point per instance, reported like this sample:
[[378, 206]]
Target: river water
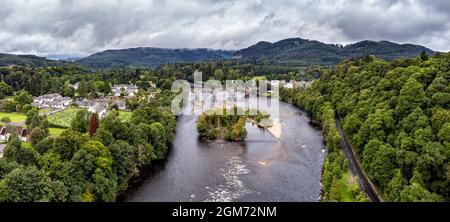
[[263, 168]]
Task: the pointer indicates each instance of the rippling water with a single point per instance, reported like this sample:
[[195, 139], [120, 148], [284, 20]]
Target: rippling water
[[263, 168]]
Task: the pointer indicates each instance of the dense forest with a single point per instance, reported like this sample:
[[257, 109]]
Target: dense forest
[[231, 70], [145, 57], [396, 115], [58, 79], [93, 159], [26, 60], [303, 52]]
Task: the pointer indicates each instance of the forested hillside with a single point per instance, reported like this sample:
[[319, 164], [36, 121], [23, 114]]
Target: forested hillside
[[397, 116], [150, 57], [26, 60], [308, 52]]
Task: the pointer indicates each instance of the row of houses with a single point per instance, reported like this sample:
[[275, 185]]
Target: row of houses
[[294, 84], [54, 100], [99, 105]]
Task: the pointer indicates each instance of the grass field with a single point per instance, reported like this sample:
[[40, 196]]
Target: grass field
[[259, 78], [26, 145], [56, 131], [125, 116], [347, 187], [63, 118], [15, 117]]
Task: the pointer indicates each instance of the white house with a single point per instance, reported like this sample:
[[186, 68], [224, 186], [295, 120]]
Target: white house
[[121, 105], [6, 131], [100, 109]]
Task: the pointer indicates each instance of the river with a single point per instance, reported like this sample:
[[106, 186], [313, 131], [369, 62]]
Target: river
[[263, 168]]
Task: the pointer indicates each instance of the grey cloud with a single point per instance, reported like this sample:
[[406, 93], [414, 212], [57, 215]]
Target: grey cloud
[[83, 27]]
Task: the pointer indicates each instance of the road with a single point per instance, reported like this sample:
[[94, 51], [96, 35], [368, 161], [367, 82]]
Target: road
[[355, 166]]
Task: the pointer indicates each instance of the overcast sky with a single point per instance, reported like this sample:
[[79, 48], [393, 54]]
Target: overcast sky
[[82, 27]]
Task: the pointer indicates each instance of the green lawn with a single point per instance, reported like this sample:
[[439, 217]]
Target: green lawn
[[26, 145], [43, 111], [56, 131], [259, 78], [63, 118], [347, 188], [125, 116], [15, 117]]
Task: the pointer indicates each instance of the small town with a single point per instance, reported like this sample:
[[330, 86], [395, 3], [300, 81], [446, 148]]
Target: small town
[[54, 105]]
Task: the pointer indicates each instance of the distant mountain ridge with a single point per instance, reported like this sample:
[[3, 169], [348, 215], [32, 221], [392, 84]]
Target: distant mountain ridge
[[151, 57], [310, 52], [292, 51]]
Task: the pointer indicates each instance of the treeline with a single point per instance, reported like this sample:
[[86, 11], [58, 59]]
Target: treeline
[[232, 70], [60, 79], [337, 182], [396, 115]]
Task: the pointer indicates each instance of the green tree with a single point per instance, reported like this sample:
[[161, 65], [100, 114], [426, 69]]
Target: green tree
[[439, 118], [45, 145], [82, 89], [28, 184], [5, 120], [6, 166], [36, 135], [423, 55], [396, 186], [35, 120], [417, 193], [124, 161], [23, 99], [115, 126], [94, 163], [15, 152], [383, 165], [68, 143], [444, 133], [9, 106], [104, 87], [411, 96], [81, 121], [158, 139], [6, 89], [218, 74], [68, 90]]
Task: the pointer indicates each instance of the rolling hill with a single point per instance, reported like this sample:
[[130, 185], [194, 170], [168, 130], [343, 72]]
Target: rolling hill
[[308, 52], [25, 60], [150, 57]]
